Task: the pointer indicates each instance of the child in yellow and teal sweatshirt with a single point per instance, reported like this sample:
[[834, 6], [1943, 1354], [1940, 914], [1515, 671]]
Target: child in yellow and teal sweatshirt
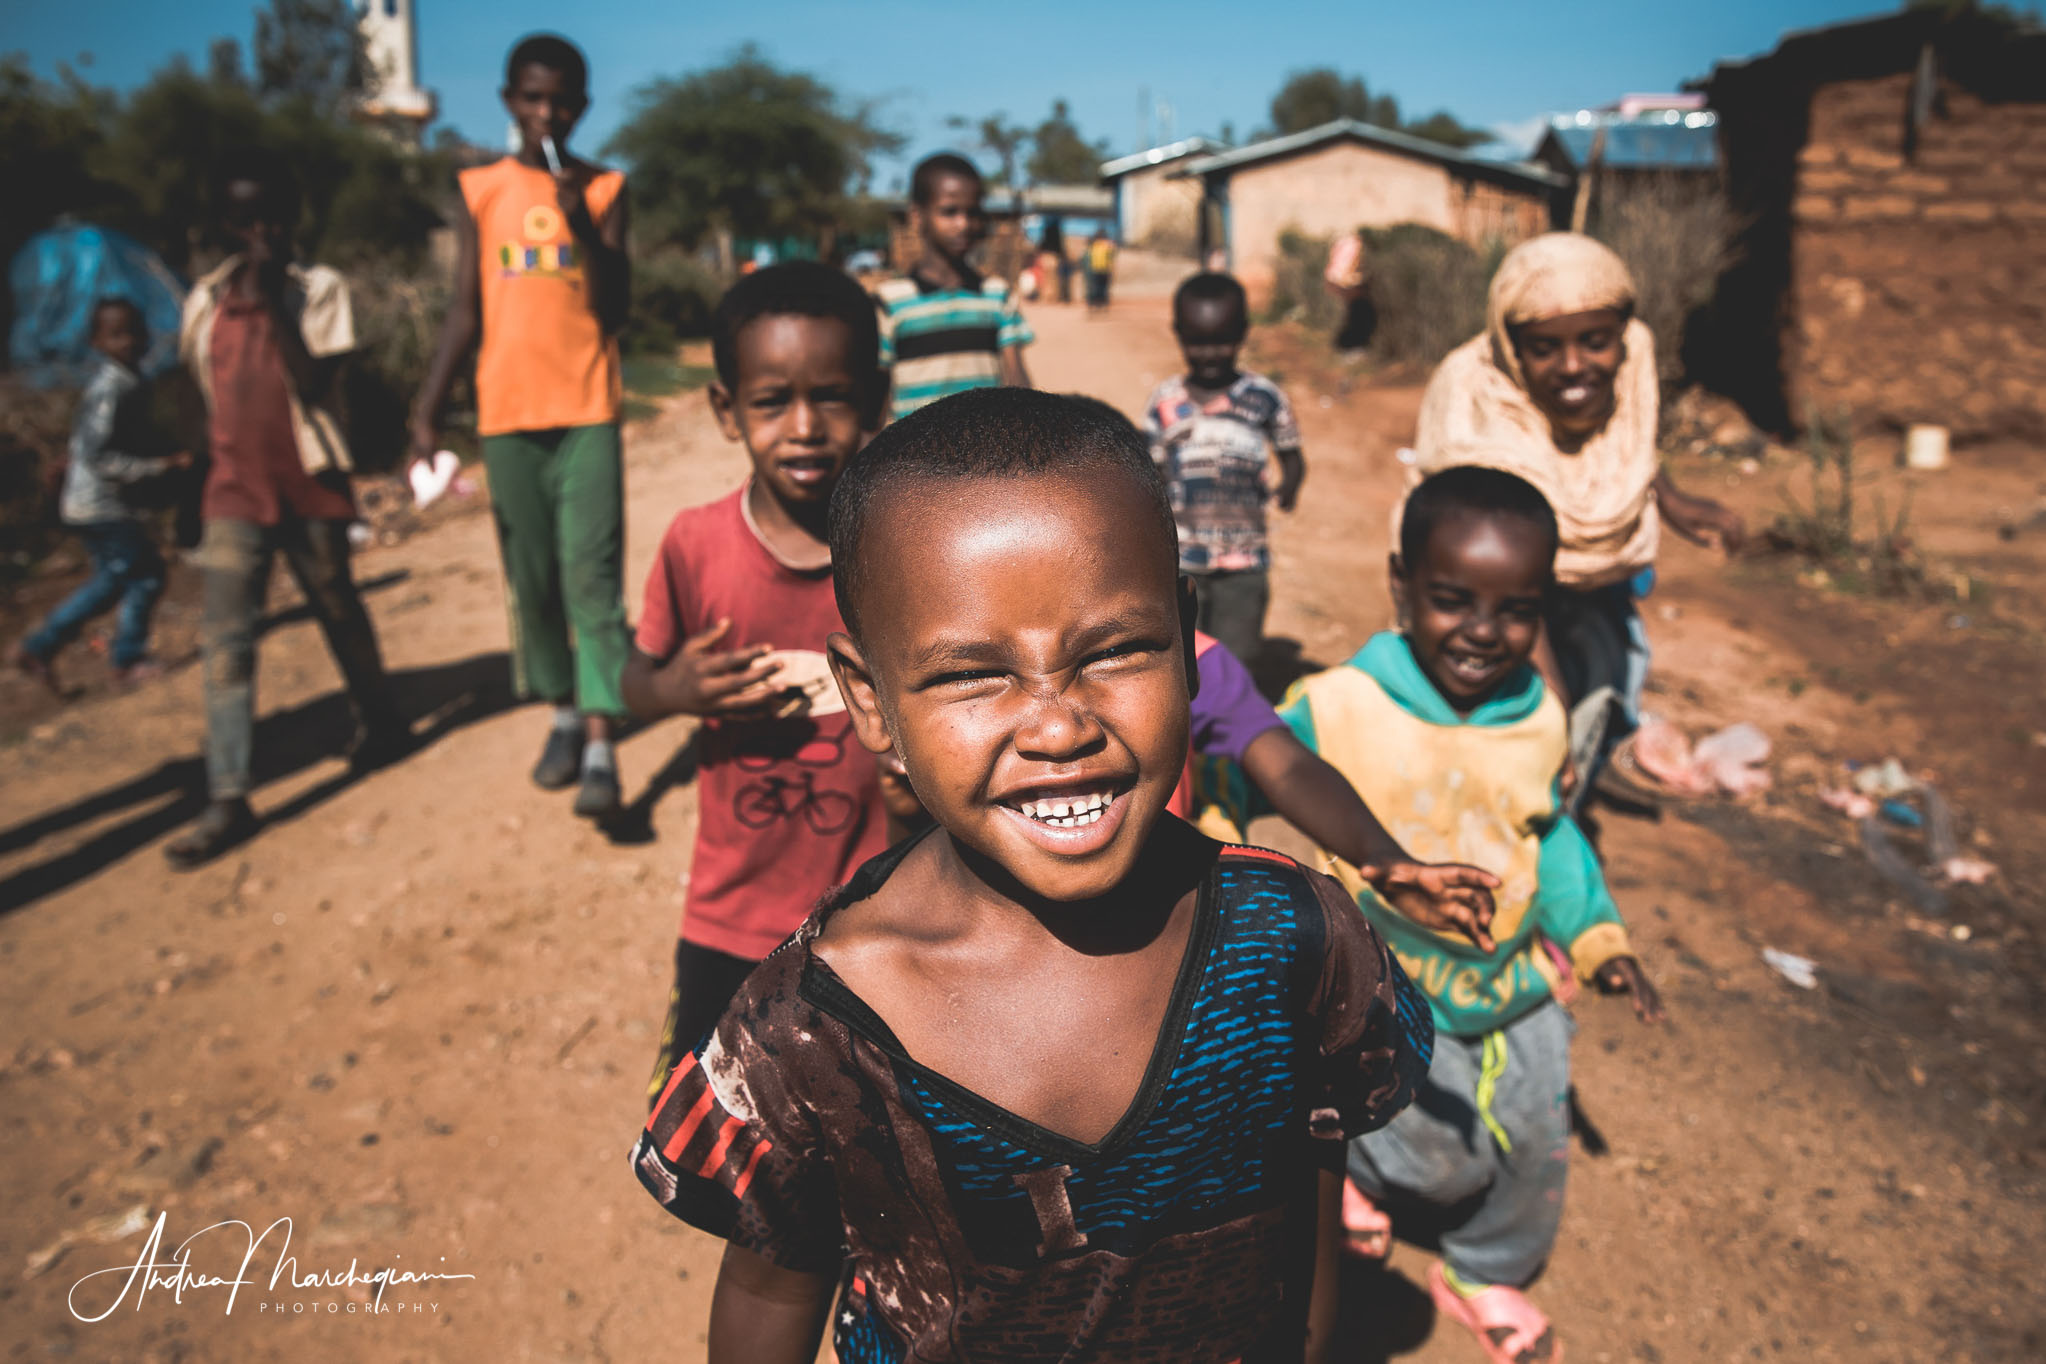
[[1451, 736]]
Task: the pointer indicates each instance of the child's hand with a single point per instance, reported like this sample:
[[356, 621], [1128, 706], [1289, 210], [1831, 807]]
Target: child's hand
[[1444, 897], [181, 460], [1623, 975], [703, 680], [568, 193]]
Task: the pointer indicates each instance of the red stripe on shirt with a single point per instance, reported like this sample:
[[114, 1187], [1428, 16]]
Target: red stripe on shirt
[[673, 1150], [674, 1078], [746, 1175], [726, 1136]]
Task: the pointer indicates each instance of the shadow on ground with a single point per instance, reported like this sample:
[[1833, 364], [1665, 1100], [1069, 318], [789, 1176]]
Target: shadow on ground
[[446, 697]]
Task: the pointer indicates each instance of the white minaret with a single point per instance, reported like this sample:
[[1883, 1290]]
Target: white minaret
[[392, 41]]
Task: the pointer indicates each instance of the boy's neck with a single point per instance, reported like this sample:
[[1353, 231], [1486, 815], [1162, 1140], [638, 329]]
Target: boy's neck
[[796, 536], [936, 268], [1203, 391]]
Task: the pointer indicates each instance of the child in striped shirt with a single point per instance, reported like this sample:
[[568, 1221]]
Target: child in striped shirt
[[944, 327]]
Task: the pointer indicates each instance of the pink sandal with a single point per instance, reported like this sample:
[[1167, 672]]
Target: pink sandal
[[1508, 1328], [1367, 1231]]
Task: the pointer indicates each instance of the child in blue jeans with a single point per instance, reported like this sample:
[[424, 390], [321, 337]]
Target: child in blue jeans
[[108, 437], [1453, 739]]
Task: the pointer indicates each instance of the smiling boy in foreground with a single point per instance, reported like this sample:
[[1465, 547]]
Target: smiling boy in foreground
[[1062, 1078]]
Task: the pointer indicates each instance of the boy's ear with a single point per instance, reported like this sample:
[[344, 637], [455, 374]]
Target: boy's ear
[[1396, 581], [1189, 611], [722, 408], [862, 697]]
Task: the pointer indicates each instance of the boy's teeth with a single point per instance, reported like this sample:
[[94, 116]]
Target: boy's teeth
[[1066, 811]]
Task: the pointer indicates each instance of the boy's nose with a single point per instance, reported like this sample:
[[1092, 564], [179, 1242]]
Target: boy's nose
[[1054, 727]]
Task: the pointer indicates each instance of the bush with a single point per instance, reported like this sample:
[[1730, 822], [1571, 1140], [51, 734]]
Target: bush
[[1427, 290], [1677, 237], [1424, 296], [673, 294], [1298, 294], [35, 427], [397, 323]]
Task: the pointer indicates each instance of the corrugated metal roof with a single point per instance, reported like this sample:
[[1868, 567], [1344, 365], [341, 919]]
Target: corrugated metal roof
[[1350, 128], [1156, 156], [1689, 142]]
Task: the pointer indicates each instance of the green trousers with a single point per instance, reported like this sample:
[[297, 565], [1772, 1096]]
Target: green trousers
[[559, 500]]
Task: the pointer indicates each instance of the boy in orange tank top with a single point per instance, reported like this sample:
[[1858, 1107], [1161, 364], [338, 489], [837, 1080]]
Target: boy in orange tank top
[[543, 280]]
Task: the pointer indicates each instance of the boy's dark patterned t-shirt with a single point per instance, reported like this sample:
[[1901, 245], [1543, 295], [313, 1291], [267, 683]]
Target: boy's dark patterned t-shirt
[[805, 1134]]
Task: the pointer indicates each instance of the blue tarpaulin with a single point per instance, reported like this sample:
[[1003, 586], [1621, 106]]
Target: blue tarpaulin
[[61, 274]]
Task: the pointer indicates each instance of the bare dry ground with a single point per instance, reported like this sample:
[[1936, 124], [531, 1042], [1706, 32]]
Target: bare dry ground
[[414, 1015]]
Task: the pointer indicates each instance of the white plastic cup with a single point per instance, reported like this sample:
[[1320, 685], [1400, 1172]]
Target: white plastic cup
[[1926, 447]]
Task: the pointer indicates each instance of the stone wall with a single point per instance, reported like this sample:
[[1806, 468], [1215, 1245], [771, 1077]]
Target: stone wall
[[1917, 288]]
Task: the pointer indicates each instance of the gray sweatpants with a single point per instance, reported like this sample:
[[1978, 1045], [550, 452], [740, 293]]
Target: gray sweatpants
[[1442, 1150]]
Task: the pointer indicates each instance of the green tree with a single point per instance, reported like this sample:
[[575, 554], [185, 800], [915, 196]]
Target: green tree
[[312, 49], [1442, 127], [1059, 155], [51, 133], [744, 148], [1322, 94], [1000, 139]]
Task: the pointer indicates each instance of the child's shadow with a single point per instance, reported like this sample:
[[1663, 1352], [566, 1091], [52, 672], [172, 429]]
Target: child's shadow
[[1384, 1313]]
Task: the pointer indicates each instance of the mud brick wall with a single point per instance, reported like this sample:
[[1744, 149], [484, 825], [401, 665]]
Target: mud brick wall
[[1918, 276]]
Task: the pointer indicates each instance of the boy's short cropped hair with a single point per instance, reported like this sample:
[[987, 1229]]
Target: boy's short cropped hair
[[923, 181], [985, 434], [797, 289], [107, 303], [552, 51], [257, 166], [1470, 489], [1210, 286]]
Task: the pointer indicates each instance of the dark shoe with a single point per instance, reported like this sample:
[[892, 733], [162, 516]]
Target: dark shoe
[[132, 675], [34, 666], [380, 744], [225, 824], [598, 798], [561, 761]]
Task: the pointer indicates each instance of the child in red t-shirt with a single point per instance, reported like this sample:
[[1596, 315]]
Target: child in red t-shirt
[[738, 607]]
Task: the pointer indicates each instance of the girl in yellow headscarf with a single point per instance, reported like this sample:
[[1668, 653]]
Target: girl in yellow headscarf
[[1560, 389]]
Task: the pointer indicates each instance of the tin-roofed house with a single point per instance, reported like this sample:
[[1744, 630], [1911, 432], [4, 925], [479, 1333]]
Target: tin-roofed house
[[1344, 175], [1153, 209], [1892, 173]]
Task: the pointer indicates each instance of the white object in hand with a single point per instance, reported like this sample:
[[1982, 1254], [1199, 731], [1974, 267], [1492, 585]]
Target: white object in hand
[[553, 156], [431, 479]]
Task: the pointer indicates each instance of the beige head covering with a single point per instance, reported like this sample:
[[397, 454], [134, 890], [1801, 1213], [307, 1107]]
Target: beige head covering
[[1477, 411]]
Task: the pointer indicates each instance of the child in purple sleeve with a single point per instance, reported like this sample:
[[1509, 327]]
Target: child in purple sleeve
[[1243, 750]]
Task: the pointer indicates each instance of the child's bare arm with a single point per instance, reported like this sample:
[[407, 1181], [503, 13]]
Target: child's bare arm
[[764, 1314], [1324, 1300], [610, 266], [700, 679], [457, 334], [1316, 799], [1014, 375], [1292, 473], [1624, 976]]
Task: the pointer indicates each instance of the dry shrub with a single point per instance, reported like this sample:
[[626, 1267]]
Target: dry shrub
[[1427, 290], [35, 427], [1425, 293], [1677, 236]]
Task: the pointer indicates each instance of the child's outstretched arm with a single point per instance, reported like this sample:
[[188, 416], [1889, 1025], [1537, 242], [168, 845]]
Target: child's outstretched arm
[[700, 679], [1316, 799], [457, 334], [1573, 907], [764, 1314]]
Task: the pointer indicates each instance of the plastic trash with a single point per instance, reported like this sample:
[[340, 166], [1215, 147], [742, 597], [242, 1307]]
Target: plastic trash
[[429, 481], [1802, 972], [1731, 759], [1897, 812], [1887, 778]]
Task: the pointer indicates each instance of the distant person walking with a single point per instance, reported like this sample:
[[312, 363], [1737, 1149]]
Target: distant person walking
[[1100, 269], [542, 276], [1560, 389], [110, 452], [945, 327], [265, 338]]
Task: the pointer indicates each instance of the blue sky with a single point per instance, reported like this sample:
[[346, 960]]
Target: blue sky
[[1490, 62]]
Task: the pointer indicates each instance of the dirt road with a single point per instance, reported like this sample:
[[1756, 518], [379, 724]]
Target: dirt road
[[414, 1015]]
